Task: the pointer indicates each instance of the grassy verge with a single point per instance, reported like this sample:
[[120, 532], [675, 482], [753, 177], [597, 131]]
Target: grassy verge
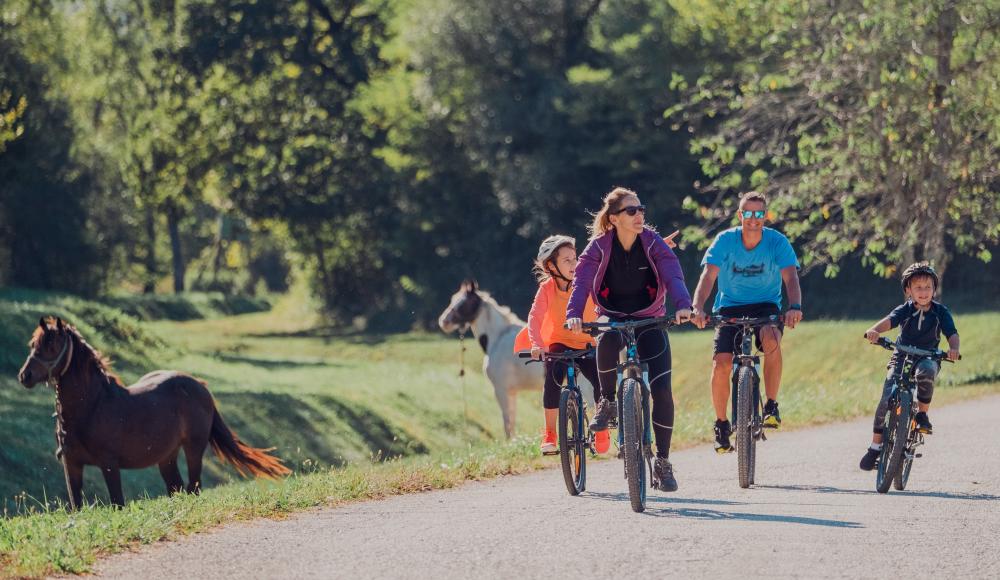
[[57, 541]]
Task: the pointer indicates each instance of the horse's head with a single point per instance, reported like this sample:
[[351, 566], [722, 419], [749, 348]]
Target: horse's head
[[463, 309], [51, 352]]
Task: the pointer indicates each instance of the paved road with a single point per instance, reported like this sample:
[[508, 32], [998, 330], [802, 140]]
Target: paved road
[[813, 514]]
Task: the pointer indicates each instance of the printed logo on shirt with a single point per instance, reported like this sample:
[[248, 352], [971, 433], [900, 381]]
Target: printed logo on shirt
[[750, 271]]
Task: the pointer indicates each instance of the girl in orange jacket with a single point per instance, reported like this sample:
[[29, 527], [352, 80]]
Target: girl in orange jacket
[[555, 266]]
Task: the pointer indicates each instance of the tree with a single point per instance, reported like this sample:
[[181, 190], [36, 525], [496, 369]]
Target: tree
[[872, 126], [46, 238]]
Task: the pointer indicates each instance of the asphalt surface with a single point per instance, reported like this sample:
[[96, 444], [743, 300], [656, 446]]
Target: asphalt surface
[[812, 514]]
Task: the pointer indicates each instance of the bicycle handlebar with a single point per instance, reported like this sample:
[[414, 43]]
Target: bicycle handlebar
[[939, 355], [718, 320], [564, 356], [598, 327]]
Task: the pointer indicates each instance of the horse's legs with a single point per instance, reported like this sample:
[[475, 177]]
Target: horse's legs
[[74, 483], [113, 479], [504, 398], [193, 452], [171, 474]]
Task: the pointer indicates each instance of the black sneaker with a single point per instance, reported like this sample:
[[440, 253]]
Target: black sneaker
[[663, 475], [870, 459], [605, 410], [923, 423], [723, 430], [772, 418]]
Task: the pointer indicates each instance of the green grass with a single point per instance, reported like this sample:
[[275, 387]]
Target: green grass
[[59, 541], [331, 400]]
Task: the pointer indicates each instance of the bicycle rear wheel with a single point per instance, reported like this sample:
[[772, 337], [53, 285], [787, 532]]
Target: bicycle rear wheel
[[894, 443], [746, 444], [635, 469], [572, 447]]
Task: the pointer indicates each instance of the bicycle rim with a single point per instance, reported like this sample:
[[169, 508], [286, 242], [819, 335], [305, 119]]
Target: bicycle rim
[[572, 453], [896, 444], [632, 432], [746, 445]]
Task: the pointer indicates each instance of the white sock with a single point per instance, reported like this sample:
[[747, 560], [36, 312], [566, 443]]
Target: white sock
[[876, 447]]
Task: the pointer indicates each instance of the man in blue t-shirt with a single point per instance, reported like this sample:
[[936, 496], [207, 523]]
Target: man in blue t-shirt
[[749, 261]]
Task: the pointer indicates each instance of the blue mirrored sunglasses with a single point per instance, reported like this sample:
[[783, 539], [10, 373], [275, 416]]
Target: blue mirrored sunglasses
[[756, 214]]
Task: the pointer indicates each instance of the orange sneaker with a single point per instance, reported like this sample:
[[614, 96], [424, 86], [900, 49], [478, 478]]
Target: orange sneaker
[[602, 441], [549, 445]]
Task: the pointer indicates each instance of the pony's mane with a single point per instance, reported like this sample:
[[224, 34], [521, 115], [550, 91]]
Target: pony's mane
[[504, 311], [102, 362]]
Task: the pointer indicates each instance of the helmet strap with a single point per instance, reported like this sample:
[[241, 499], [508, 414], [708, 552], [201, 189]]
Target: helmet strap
[[559, 275]]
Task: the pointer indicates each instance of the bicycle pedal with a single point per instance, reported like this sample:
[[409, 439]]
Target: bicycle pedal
[[556, 452]]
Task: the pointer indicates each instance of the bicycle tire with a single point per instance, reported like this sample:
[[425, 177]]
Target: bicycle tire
[[572, 447], [746, 445], [632, 440], [899, 482], [896, 443]]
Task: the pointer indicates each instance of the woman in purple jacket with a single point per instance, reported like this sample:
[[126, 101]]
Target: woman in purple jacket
[[629, 270]]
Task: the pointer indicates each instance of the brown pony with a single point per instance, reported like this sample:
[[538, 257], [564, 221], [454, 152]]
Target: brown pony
[[101, 422]]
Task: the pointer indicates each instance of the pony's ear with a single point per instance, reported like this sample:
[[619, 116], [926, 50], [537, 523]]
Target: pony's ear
[[59, 323], [41, 322]]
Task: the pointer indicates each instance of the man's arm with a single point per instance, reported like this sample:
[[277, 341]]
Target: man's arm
[[791, 277], [705, 284]]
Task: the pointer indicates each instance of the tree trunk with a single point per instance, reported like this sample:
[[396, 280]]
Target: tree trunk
[[942, 187], [149, 286], [173, 225]]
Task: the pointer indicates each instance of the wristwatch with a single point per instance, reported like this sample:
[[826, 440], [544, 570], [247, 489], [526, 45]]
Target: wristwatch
[[795, 306]]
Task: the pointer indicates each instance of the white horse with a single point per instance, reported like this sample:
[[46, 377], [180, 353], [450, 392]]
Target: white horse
[[495, 327]]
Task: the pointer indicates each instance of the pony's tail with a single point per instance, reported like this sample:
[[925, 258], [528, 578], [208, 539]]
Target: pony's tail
[[243, 457]]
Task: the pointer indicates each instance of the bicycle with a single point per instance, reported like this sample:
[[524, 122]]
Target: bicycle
[[747, 403], [574, 432], [635, 433], [900, 437]]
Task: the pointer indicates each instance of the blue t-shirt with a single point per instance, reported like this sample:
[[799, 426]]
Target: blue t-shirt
[[922, 329], [749, 276]]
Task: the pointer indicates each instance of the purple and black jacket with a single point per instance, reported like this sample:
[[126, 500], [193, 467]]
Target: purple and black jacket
[[589, 278]]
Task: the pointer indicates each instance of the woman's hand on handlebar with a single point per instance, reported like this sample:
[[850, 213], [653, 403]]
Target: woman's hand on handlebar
[[683, 315], [574, 324], [537, 352]]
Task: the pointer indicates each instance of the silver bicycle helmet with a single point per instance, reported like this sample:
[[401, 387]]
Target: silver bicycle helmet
[[551, 245]]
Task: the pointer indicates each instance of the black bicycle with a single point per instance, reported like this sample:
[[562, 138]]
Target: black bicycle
[[900, 436], [635, 433], [748, 405], [574, 431]]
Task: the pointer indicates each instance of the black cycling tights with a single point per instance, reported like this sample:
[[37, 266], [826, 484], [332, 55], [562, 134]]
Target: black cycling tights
[[555, 374], [654, 349]]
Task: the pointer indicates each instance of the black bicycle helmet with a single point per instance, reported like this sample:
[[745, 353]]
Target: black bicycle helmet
[[919, 269]]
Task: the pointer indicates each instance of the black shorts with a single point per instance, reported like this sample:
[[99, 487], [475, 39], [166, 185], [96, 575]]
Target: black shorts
[[728, 338]]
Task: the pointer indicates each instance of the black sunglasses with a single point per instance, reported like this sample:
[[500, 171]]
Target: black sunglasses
[[632, 210]]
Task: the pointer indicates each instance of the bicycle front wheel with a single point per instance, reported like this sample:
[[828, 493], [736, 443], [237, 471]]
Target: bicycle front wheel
[[894, 443], [746, 444], [572, 447], [899, 482], [632, 440]]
